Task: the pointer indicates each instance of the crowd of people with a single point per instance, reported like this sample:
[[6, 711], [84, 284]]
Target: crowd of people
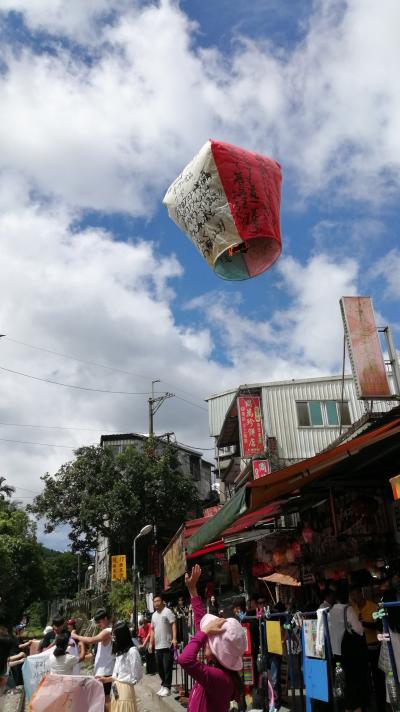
[[121, 654], [117, 661]]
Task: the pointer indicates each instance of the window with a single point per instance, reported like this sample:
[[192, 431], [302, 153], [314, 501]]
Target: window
[[315, 413]]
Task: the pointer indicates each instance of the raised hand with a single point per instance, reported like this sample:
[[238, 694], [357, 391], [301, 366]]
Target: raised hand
[[214, 627], [191, 581]]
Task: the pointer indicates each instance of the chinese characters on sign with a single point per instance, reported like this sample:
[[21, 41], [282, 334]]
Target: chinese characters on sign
[[118, 568], [261, 468], [251, 428]]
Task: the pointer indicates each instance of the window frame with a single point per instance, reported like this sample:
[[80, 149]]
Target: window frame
[[324, 413]]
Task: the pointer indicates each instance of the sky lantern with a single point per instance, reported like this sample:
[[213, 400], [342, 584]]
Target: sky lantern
[[227, 201]]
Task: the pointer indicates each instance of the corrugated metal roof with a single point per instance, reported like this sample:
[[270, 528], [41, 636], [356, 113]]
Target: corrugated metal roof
[[280, 413], [127, 438]]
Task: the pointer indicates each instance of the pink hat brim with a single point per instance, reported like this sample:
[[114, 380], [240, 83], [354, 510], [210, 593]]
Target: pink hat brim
[[218, 645]]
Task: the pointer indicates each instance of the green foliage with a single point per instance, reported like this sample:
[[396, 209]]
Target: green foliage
[[37, 615], [5, 489], [116, 495], [61, 568], [22, 578], [120, 600]]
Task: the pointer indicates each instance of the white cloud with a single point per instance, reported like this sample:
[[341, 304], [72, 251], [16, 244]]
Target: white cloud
[[85, 294], [112, 133], [312, 325], [72, 18], [387, 268], [109, 135], [303, 339]]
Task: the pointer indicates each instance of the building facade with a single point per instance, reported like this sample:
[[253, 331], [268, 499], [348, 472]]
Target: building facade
[[300, 418]]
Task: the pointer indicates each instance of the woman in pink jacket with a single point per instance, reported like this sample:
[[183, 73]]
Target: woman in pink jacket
[[224, 642]]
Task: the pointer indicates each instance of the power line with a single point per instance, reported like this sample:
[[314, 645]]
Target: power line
[[79, 388], [192, 447], [29, 442], [53, 427], [202, 407], [26, 490], [92, 390], [75, 358], [94, 363]]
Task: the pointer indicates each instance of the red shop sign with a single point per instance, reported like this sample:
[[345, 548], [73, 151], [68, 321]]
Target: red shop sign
[[251, 427], [261, 468]]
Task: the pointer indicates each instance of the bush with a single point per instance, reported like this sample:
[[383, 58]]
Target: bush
[[120, 600]]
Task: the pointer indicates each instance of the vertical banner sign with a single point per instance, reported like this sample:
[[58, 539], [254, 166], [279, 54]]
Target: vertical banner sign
[[261, 468], [118, 568], [251, 427], [174, 558], [364, 348]]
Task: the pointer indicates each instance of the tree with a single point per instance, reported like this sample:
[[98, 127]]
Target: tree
[[5, 489], [22, 577], [61, 573], [114, 495]]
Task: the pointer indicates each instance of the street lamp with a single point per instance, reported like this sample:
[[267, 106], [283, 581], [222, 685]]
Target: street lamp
[[88, 572], [143, 532]]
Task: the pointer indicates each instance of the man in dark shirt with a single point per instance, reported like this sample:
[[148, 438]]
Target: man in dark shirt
[[58, 624]]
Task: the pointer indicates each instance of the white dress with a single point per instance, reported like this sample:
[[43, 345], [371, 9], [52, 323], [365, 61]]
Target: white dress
[[127, 672]]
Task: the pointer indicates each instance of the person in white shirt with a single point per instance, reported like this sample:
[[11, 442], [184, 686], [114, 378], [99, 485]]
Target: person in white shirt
[[337, 625], [163, 639], [104, 660], [127, 671], [60, 661]]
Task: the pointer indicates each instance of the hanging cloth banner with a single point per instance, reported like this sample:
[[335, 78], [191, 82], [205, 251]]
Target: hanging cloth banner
[[227, 200], [211, 529], [34, 669], [274, 637]]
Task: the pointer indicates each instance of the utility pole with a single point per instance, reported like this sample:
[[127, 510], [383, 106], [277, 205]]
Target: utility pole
[[393, 358], [155, 404]]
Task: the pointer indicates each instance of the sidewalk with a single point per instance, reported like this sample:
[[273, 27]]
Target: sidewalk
[[149, 701]]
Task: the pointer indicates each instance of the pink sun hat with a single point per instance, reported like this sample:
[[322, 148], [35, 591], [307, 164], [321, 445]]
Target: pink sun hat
[[229, 646]]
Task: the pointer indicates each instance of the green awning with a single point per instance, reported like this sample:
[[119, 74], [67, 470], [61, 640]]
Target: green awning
[[211, 530]]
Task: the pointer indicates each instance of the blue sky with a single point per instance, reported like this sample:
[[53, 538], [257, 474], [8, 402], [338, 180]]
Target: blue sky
[[101, 105]]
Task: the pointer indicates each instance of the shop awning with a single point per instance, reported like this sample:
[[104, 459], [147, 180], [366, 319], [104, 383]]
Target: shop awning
[[247, 521], [367, 448], [214, 526], [283, 579], [287, 481]]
